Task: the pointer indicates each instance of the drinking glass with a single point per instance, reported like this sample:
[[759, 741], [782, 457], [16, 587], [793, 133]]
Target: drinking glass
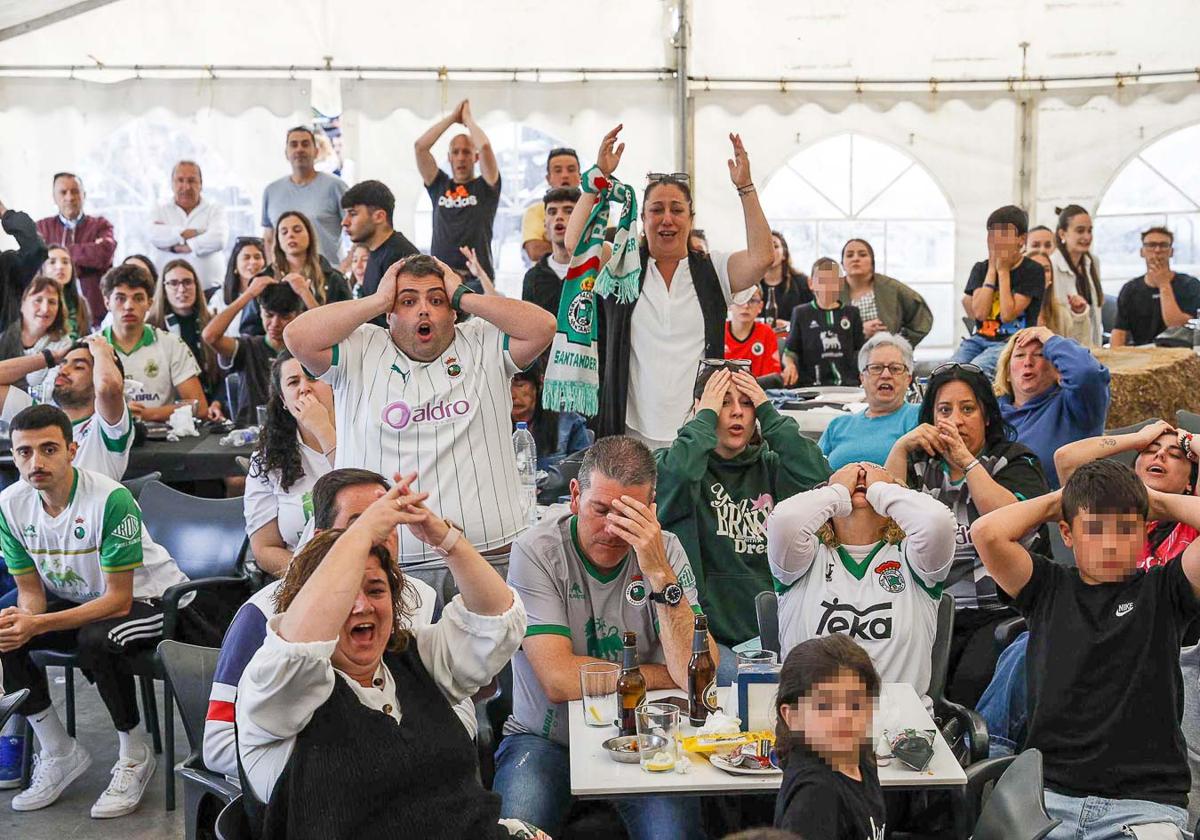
[[598, 685], [260, 413], [757, 661], [657, 728]]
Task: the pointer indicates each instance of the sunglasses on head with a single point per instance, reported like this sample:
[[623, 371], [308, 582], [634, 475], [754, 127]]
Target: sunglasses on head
[[659, 177], [731, 365], [969, 368]]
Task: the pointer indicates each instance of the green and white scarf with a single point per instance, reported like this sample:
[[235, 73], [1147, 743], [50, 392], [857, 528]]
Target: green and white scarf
[[573, 375]]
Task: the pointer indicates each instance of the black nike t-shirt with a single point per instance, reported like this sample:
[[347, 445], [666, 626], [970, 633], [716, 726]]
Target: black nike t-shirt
[[1104, 665], [463, 214]]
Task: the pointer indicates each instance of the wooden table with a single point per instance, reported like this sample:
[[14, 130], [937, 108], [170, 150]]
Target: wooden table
[[1150, 382], [595, 775]]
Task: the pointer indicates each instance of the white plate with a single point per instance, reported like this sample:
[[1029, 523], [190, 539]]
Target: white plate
[[722, 763]]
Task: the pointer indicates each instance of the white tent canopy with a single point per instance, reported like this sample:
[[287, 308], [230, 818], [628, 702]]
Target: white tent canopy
[[971, 104]]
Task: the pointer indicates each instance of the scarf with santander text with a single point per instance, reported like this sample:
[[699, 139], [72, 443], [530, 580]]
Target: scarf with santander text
[[573, 374]]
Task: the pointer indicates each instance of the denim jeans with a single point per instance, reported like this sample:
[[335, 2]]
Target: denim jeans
[[533, 779], [1096, 818], [1004, 706], [979, 352]]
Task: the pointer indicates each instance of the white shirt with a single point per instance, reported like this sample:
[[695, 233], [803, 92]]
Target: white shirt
[[160, 361], [883, 596], [1085, 327], [286, 682], [266, 501], [448, 420], [666, 344], [169, 220], [103, 448], [558, 268]]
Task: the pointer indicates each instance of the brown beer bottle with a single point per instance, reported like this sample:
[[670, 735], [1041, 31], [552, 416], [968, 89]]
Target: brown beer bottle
[[631, 685], [702, 676]]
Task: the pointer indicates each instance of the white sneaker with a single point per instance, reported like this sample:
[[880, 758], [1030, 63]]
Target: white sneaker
[[51, 775], [129, 781]]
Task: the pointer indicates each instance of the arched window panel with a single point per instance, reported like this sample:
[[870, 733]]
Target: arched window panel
[[1159, 186], [851, 186], [521, 152]]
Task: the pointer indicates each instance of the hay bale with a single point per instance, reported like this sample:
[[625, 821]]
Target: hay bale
[[1150, 382]]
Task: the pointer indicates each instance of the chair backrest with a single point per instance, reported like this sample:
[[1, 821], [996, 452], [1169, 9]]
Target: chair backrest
[[190, 669], [1016, 810], [766, 605], [9, 703], [1188, 421], [1108, 313], [232, 822], [940, 655], [136, 485], [206, 537]]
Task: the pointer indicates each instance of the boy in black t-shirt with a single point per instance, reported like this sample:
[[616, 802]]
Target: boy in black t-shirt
[[1004, 292], [1103, 648], [825, 336]]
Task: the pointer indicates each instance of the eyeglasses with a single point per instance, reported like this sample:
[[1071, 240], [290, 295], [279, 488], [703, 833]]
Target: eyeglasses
[[1157, 246], [750, 302], [177, 284], [895, 368], [732, 365], [969, 368], [659, 177], [248, 240]]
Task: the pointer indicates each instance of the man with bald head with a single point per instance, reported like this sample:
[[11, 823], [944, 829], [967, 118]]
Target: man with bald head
[[191, 227], [464, 204]]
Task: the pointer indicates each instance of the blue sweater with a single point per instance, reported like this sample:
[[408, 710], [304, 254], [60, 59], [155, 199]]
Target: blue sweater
[[857, 437], [1070, 411]]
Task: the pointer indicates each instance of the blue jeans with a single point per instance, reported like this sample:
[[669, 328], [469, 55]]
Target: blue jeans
[[1004, 706], [1096, 818], [979, 352], [533, 779]]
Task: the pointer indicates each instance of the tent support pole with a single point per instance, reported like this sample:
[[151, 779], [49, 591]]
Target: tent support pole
[[683, 116]]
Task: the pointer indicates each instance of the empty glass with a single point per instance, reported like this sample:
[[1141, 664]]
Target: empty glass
[[757, 661], [598, 686], [657, 727], [260, 413]]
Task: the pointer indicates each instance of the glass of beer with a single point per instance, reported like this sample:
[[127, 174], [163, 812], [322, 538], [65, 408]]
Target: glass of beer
[[657, 728], [598, 688]]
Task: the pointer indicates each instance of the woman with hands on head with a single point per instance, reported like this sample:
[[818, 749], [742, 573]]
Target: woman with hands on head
[[297, 446], [652, 343], [717, 484], [865, 556], [345, 718], [963, 455]]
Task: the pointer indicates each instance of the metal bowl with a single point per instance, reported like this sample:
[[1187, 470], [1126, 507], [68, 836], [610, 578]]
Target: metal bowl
[[618, 748]]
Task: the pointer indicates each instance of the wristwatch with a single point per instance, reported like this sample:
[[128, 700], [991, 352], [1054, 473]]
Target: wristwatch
[[671, 595], [456, 298], [449, 541]]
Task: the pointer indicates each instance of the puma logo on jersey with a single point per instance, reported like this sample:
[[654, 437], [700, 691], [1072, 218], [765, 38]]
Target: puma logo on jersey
[[865, 624], [1124, 609]]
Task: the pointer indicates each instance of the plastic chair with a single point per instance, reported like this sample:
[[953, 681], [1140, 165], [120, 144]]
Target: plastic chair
[[1188, 421], [1007, 631], [9, 703], [766, 605], [1016, 809], [232, 823], [136, 485], [963, 728], [190, 670]]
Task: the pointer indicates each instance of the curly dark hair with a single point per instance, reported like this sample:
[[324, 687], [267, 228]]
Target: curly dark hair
[[278, 443]]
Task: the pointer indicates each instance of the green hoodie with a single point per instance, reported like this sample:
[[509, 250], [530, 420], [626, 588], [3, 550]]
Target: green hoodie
[[718, 508]]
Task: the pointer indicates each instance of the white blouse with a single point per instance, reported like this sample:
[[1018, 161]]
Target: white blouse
[[265, 500]]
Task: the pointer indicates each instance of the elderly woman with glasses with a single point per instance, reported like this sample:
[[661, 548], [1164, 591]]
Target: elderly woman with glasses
[[652, 339], [886, 362], [963, 454]]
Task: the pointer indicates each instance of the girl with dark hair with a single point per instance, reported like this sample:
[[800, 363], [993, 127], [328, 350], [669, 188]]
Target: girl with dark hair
[[830, 790], [556, 434], [885, 304], [41, 330], [963, 454], [820, 545], [179, 307], [247, 260], [301, 265], [297, 446], [59, 267], [145, 262], [1077, 277], [783, 287]]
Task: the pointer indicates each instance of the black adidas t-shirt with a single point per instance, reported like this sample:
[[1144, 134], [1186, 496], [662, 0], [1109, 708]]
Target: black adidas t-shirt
[[1104, 665], [463, 215], [825, 344]]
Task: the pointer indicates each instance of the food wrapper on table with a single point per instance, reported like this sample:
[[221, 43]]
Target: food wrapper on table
[[1150, 382], [725, 743]]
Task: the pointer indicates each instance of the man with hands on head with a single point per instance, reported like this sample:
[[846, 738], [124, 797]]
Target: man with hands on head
[[1106, 632], [587, 573], [430, 395], [718, 482]]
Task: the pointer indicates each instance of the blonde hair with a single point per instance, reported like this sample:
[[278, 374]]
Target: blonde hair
[[892, 534], [1002, 385]]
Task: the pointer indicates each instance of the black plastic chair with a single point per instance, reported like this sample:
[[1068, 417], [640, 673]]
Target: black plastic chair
[[1188, 421], [1007, 631], [9, 703], [1016, 808], [232, 823], [136, 485], [766, 606], [190, 670], [963, 728]]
